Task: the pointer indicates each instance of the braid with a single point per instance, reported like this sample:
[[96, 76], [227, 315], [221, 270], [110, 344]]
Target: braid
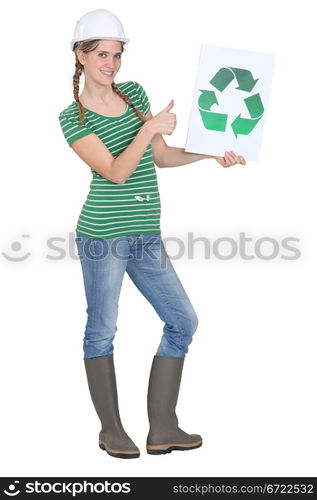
[[128, 101], [76, 79]]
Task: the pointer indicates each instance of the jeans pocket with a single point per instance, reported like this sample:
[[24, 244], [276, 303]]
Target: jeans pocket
[[87, 247], [152, 240]]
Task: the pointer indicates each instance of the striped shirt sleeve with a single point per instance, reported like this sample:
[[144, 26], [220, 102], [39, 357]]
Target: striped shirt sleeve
[[143, 98], [71, 129]]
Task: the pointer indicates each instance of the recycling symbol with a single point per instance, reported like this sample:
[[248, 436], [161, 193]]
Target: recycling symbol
[[218, 121]]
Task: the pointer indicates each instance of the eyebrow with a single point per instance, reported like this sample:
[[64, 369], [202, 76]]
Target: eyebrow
[[106, 52]]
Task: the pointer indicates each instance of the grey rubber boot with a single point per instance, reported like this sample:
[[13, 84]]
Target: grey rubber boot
[[103, 390], [164, 435]]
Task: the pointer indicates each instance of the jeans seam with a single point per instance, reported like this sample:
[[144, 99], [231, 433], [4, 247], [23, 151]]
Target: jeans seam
[[93, 285], [94, 281]]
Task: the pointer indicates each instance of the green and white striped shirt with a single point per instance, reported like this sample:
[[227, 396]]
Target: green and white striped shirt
[[112, 210]]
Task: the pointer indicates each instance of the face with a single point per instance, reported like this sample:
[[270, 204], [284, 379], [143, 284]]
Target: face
[[105, 59]]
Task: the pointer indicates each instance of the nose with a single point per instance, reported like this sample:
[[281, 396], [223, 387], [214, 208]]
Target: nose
[[113, 62], [109, 66]]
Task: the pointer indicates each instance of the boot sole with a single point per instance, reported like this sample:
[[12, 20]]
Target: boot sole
[[160, 449], [117, 453]]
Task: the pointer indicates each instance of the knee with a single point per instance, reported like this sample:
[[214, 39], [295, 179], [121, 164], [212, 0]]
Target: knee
[[189, 329], [191, 324]]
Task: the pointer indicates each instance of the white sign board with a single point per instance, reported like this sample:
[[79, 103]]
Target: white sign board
[[230, 101]]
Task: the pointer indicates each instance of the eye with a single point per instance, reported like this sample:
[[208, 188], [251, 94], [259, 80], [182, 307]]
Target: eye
[[104, 54]]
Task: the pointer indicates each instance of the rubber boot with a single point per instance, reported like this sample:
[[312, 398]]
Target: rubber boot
[[164, 435], [103, 390]]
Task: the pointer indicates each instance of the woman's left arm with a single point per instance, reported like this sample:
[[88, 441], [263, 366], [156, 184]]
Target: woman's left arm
[[174, 157]]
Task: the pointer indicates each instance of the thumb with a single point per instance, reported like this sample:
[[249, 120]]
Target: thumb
[[169, 106]]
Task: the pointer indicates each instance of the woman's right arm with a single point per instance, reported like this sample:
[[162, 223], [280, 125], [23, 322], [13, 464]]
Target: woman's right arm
[[95, 153]]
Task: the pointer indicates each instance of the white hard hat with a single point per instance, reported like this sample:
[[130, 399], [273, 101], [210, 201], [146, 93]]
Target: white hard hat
[[98, 24]]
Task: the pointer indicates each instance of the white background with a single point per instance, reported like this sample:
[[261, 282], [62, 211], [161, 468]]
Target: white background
[[249, 380]]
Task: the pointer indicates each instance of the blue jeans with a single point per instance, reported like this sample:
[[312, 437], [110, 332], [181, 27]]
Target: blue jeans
[[144, 258]]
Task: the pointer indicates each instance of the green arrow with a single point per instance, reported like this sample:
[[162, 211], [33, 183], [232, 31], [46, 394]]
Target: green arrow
[[225, 75], [211, 120], [222, 79], [207, 99], [244, 126], [244, 78], [254, 105]]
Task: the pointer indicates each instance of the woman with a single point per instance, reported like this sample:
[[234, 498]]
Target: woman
[[111, 128]]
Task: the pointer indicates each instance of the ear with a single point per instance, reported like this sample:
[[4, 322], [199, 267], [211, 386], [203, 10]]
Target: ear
[[80, 56]]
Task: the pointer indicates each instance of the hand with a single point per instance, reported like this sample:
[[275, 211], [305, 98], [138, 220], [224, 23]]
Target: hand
[[164, 122], [230, 159]]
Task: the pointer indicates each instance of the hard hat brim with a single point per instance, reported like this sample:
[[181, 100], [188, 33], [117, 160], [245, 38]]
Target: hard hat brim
[[124, 40]]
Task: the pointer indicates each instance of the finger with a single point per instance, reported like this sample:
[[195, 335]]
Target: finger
[[170, 105], [229, 158], [234, 158], [227, 161], [224, 162], [242, 160], [221, 160]]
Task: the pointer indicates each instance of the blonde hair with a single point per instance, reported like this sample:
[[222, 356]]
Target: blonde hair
[[88, 46]]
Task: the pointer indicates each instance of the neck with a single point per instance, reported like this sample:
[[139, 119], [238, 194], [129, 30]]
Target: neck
[[96, 94]]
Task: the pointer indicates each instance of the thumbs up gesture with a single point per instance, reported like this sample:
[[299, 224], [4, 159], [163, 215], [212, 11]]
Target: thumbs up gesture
[[164, 122]]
